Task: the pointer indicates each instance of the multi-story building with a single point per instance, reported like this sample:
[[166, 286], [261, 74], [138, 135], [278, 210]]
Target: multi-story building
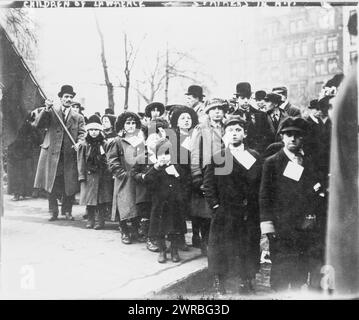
[[300, 48]]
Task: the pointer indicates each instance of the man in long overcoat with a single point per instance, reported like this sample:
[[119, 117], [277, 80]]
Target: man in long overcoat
[[57, 167]]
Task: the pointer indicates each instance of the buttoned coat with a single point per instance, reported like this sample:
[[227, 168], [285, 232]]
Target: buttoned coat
[[55, 141], [96, 187], [234, 238]]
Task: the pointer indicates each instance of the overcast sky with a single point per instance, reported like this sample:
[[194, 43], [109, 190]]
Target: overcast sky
[[69, 48]]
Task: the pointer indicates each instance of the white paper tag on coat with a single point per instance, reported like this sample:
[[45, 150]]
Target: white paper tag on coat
[[171, 170], [186, 143], [134, 141], [293, 171], [102, 151], [244, 158]]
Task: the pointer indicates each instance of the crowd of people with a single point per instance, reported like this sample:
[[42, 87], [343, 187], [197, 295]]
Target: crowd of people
[[236, 169]]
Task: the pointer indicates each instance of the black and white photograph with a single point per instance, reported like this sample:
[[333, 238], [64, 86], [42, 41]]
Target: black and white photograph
[[179, 150]]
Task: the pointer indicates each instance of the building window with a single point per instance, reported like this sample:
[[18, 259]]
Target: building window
[[300, 25], [353, 57], [292, 27], [332, 65], [319, 46], [289, 51], [318, 87], [302, 69], [320, 67], [304, 48], [332, 44], [297, 49], [293, 70], [327, 19]]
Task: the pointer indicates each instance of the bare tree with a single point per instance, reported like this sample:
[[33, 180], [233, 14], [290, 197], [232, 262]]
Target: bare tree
[[165, 68], [130, 58], [22, 29]]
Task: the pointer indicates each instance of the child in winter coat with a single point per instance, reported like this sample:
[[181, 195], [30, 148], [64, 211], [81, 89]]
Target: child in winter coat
[[167, 184], [96, 181]]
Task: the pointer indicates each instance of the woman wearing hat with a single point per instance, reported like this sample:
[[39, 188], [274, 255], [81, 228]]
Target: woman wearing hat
[[121, 157], [96, 181], [154, 110]]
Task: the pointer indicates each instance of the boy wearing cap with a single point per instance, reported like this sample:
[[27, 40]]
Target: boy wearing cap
[[286, 206], [231, 186], [206, 140], [95, 179]]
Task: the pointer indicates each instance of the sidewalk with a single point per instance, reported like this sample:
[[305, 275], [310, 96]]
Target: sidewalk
[[63, 260]]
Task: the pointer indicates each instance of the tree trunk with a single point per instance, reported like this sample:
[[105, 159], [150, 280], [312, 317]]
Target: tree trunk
[[167, 76], [110, 95], [127, 74]]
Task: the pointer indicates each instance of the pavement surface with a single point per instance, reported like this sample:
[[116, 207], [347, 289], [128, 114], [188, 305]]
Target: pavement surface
[[64, 260]]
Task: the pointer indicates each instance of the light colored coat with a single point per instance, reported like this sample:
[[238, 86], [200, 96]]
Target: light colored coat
[[51, 149]]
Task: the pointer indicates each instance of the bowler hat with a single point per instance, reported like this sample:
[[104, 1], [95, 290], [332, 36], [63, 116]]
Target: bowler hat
[[273, 97], [160, 107], [293, 124], [196, 91], [232, 120], [121, 119], [94, 123], [216, 103], [313, 104], [260, 95], [243, 89], [66, 89], [184, 109]]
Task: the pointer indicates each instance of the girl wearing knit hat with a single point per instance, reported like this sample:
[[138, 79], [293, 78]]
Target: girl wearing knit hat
[[94, 177]]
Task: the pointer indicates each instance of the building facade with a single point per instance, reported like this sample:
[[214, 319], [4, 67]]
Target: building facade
[[300, 48]]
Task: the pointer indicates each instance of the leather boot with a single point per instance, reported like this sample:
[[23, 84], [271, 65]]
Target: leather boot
[[100, 221], [90, 219], [218, 284], [152, 245], [162, 257], [174, 254]]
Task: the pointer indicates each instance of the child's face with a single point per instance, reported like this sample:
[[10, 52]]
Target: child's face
[[184, 121], [106, 123], [94, 133], [235, 134], [130, 126], [164, 158], [216, 114], [155, 113], [293, 140]]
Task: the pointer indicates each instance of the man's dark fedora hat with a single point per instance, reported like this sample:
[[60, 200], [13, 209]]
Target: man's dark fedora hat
[[196, 91], [66, 89], [260, 95], [243, 89]]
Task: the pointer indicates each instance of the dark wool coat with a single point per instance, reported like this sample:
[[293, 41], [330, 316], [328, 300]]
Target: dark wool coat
[[23, 154], [121, 157], [284, 201], [291, 110], [205, 142], [234, 238], [56, 140], [96, 187], [168, 193], [273, 130], [258, 131]]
